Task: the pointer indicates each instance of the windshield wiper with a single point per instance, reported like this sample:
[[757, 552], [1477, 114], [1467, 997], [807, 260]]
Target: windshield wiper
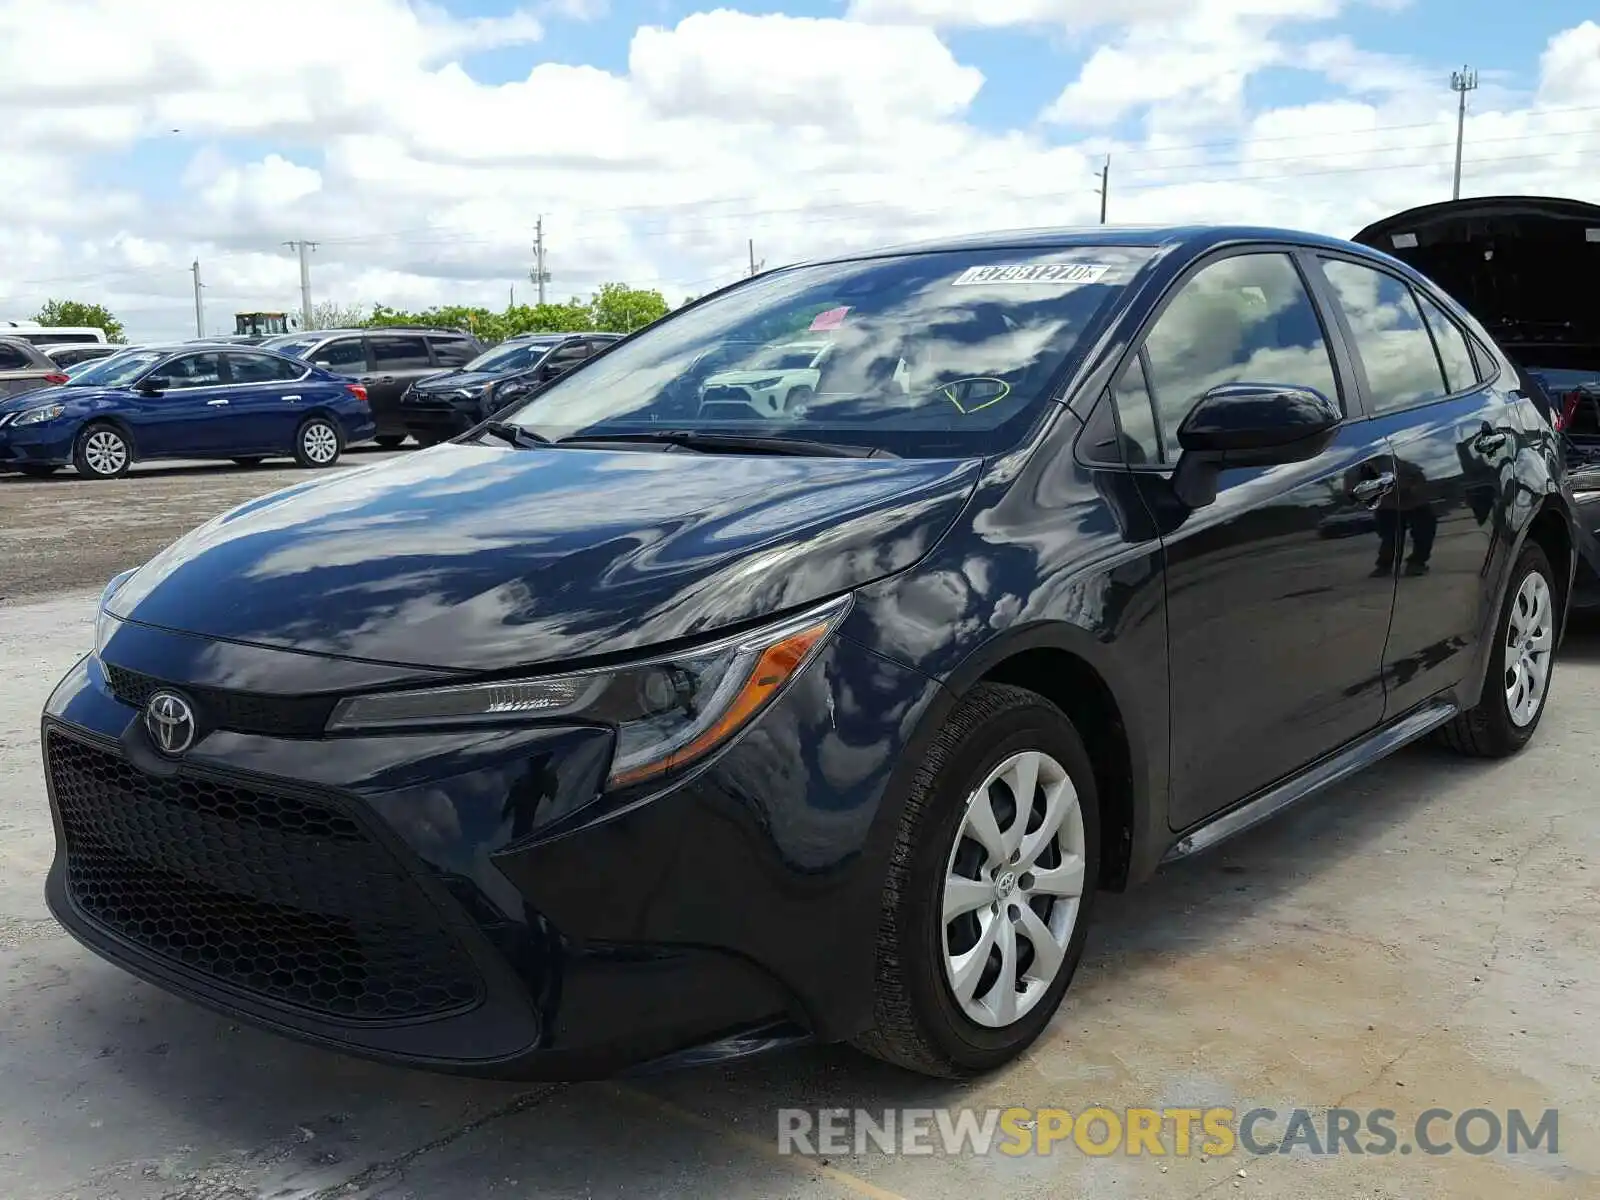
[[527, 439], [733, 443]]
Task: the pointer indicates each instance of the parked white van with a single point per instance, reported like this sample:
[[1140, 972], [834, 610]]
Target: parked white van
[[48, 335]]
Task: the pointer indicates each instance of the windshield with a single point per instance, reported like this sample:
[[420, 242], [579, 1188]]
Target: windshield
[[117, 371], [939, 354], [511, 357], [293, 347]]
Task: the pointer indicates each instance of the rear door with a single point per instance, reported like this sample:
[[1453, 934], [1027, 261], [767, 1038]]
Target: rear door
[[1276, 623], [266, 399], [1456, 439], [188, 414], [398, 360]]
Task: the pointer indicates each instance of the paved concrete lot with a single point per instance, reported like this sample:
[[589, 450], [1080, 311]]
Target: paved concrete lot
[[1425, 936]]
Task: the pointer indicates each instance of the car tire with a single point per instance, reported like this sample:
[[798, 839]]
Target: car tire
[[427, 439], [101, 451], [247, 462], [317, 443], [920, 1020], [38, 470], [798, 398], [1530, 616], [390, 441]]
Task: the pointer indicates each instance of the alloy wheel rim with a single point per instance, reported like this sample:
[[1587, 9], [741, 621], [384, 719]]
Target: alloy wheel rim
[[1530, 638], [105, 452], [1013, 888], [321, 443]]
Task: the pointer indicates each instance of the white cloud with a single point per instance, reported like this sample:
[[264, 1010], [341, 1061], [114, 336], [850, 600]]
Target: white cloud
[[421, 184]]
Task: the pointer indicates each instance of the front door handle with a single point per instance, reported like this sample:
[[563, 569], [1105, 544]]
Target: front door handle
[[291, 399], [1370, 491], [215, 403]]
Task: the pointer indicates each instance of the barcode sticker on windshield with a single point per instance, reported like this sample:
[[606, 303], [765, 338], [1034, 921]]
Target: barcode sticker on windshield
[[1057, 273]]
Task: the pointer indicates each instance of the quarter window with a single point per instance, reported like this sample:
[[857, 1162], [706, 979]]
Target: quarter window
[[452, 352], [1245, 319], [12, 359], [1459, 371], [342, 354], [1141, 439], [1402, 367]]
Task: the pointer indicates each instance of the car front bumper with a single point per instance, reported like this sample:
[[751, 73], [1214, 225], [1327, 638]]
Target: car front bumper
[[440, 416], [48, 443], [469, 901]]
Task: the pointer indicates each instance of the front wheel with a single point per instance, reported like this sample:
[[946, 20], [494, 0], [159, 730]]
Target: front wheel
[[390, 441], [101, 452], [986, 905], [1521, 662], [318, 444]]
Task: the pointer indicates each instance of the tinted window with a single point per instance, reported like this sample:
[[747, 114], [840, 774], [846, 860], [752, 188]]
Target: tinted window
[[511, 356], [452, 352], [13, 358], [1141, 440], [190, 371], [343, 354], [1393, 343], [570, 353], [262, 368], [295, 348], [1459, 371], [399, 353], [1245, 319], [932, 354]]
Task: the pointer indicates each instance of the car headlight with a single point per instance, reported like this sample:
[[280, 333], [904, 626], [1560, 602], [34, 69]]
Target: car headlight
[[38, 416], [762, 385], [667, 711]]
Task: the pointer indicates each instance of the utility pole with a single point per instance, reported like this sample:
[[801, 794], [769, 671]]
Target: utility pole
[[304, 249], [754, 265], [199, 308], [539, 275], [1105, 188], [1461, 82]]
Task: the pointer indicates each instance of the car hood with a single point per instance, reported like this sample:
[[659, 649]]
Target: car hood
[[756, 376], [480, 557], [45, 394], [456, 379]]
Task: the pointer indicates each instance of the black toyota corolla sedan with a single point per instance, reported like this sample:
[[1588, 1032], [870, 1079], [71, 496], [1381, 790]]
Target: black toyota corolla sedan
[[615, 733]]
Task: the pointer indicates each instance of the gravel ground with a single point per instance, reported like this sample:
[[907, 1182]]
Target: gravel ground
[[1425, 935]]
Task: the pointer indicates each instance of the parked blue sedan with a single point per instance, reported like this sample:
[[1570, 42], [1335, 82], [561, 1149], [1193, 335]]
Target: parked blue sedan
[[184, 401]]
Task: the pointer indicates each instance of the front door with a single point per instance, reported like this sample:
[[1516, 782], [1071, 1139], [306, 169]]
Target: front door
[[181, 410], [1455, 439], [1276, 616]]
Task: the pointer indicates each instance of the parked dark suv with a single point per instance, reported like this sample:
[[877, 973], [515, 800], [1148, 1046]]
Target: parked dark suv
[[385, 361], [449, 403], [627, 733]]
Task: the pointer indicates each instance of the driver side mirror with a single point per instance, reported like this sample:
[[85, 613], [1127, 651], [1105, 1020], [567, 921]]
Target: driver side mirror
[[324, 364], [150, 387], [1249, 425]]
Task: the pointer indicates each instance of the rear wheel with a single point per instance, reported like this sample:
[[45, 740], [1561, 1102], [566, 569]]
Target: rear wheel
[[318, 444], [986, 906], [390, 441], [427, 439], [1521, 662], [101, 452]]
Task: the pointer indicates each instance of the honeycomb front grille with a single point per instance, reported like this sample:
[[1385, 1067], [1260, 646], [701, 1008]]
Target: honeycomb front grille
[[270, 894]]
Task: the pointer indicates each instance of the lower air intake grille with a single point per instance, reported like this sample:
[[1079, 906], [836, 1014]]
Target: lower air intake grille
[[275, 895]]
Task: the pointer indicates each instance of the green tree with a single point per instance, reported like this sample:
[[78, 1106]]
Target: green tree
[[75, 312], [572, 317], [618, 308]]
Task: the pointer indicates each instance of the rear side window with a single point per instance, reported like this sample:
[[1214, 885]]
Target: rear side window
[[12, 358], [1394, 345], [262, 368], [572, 352], [452, 352], [1460, 373], [1243, 319], [342, 354], [399, 353]]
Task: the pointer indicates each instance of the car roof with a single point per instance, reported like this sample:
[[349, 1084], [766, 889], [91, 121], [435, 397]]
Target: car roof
[[374, 330], [1157, 237]]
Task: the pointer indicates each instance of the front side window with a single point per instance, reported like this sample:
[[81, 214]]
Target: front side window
[[187, 371], [947, 353], [1244, 319], [1402, 368], [342, 354]]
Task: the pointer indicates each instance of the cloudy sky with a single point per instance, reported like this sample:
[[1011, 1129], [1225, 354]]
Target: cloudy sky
[[417, 143]]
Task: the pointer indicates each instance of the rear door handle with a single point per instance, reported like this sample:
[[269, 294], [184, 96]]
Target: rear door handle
[[1369, 491], [215, 403]]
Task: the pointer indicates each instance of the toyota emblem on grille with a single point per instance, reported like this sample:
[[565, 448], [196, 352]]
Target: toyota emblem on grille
[[170, 722]]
